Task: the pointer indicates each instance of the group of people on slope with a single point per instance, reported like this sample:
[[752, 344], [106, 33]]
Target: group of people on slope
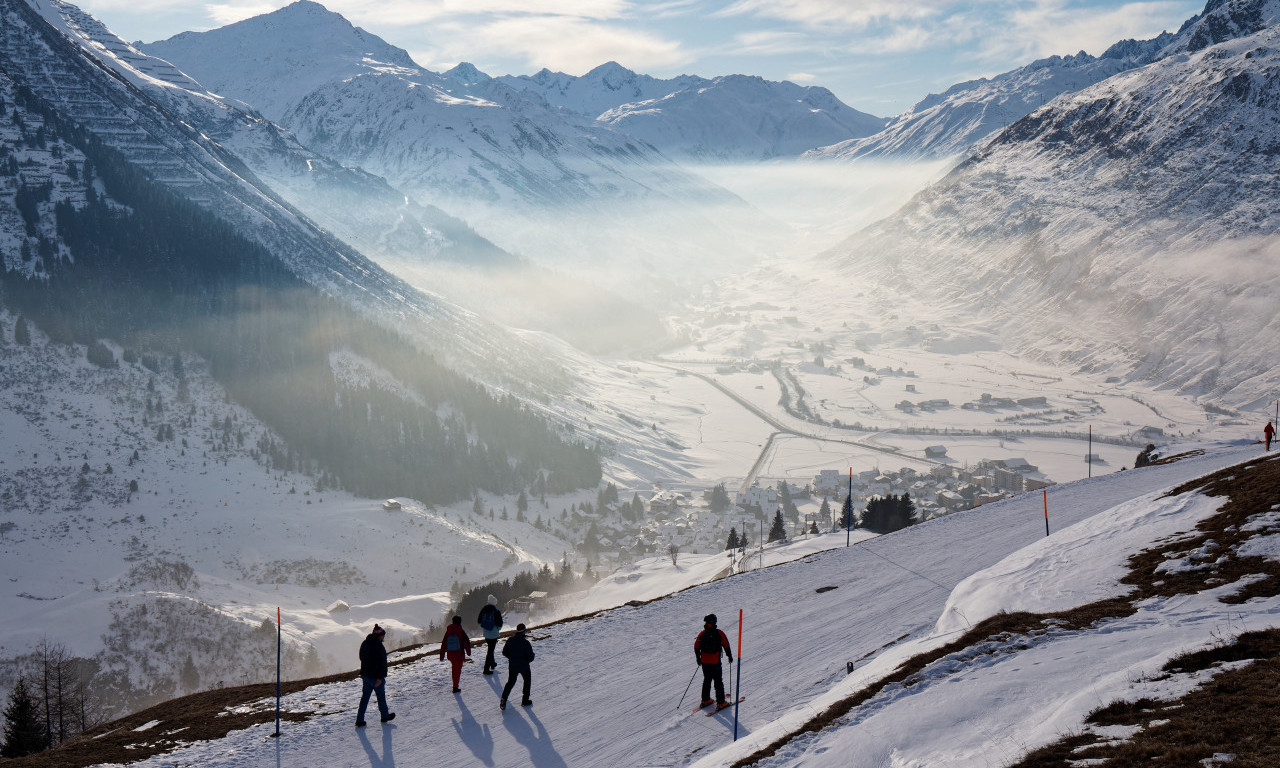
[[456, 647]]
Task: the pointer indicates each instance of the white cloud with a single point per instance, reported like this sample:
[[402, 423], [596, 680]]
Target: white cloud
[[384, 13], [847, 13], [1048, 27], [562, 43], [802, 77], [229, 13]]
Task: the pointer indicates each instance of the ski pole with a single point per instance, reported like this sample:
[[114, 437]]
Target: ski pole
[[686, 688]]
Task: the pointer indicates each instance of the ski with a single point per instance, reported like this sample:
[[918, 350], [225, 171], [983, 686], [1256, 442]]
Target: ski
[[718, 710], [701, 707]]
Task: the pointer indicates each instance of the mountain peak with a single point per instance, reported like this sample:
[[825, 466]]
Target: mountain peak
[[611, 74], [465, 72]]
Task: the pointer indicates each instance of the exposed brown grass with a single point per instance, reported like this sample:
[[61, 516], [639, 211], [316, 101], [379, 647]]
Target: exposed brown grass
[[1250, 489]]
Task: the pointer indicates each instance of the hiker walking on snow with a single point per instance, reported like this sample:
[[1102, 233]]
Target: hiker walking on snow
[[373, 672], [706, 649], [490, 622], [519, 653], [1268, 432], [457, 646]]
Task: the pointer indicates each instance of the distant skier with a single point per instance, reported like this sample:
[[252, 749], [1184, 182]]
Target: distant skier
[[373, 673], [706, 649], [457, 646], [490, 622], [519, 653], [1268, 432]]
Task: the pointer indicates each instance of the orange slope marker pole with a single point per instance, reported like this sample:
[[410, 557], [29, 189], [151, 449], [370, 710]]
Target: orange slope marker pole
[[1046, 513]]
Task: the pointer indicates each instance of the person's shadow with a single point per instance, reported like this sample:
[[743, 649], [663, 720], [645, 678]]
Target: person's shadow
[[475, 736], [387, 760], [541, 753]]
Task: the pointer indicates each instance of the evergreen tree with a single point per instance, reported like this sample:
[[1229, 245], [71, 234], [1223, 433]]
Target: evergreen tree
[[23, 732], [788, 504], [732, 543], [813, 527], [846, 515], [825, 510], [720, 499], [778, 531], [522, 504], [21, 333]]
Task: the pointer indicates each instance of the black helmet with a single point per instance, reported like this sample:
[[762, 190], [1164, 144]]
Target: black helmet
[[710, 618]]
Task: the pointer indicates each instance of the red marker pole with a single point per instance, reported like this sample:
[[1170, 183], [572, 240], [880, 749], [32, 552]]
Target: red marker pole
[[1046, 513], [737, 686]]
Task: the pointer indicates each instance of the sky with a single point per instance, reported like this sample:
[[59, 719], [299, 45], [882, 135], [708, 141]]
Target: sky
[[879, 56]]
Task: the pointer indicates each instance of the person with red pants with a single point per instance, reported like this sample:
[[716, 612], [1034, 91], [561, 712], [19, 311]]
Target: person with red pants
[[457, 646], [1268, 432], [706, 649]]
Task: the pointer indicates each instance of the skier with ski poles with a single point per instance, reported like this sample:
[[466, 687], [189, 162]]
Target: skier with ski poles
[[457, 646], [707, 649]]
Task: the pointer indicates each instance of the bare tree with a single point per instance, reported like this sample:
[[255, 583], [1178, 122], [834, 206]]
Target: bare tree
[[674, 551]]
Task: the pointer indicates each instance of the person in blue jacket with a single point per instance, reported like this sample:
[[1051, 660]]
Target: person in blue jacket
[[373, 673], [490, 621]]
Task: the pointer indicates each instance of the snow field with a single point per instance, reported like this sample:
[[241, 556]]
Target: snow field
[[606, 688]]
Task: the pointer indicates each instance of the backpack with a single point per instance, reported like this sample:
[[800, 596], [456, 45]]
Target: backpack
[[710, 642], [452, 643], [489, 618]]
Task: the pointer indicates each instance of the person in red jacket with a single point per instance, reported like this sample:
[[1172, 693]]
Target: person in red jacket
[[457, 646], [706, 649], [1268, 432]]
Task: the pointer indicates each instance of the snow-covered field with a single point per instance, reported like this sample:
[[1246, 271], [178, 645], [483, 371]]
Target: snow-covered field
[[606, 689]]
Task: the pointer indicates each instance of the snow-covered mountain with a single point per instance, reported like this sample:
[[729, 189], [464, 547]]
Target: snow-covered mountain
[[1129, 225], [958, 121], [966, 114], [538, 180], [732, 118]]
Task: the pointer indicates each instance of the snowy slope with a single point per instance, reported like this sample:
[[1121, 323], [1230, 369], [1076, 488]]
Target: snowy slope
[[212, 532], [627, 667], [1132, 218], [606, 87]]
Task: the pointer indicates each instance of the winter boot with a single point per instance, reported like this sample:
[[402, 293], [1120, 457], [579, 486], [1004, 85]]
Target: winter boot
[[502, 704], [527, 703], [390, 716], [707, 702]]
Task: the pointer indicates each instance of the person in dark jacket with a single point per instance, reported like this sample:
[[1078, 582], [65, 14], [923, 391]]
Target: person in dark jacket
[[373, 673], [706, 649], [457, 646], [490, 621], [1269, 432], [519, 653]]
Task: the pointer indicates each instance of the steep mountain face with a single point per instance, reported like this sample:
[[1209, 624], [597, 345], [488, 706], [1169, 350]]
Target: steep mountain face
[[954, 121], [1130, 226], [732, 118]]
